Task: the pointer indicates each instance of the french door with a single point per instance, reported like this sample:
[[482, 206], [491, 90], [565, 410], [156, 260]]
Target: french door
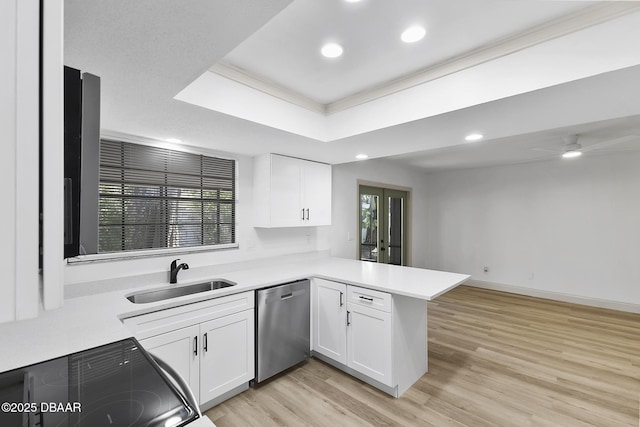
[[382, 225]]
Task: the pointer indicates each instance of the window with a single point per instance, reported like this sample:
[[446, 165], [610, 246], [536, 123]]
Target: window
[[154, 197]]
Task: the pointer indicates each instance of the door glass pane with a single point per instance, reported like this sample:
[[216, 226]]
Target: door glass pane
[[369, 213], [396, 214]]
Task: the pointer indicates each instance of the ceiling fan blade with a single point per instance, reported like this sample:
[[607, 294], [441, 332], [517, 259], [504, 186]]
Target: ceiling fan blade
[[612, 142]]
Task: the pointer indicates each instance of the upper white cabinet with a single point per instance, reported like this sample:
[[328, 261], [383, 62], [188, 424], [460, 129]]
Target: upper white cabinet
[[317, 193], [291, 192], [21, 101]]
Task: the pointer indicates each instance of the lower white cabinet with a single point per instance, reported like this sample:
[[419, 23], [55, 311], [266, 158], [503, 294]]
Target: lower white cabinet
[[376, 336], [329, 319], [369, 345], [227, 359], [210, 344], [181, 351]]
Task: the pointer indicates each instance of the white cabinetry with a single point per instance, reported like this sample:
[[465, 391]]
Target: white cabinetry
[[21, 102], [228, 354], [290, 192], [180, 350], [329, 336], [369, 345], [372, 335], [316, 197], [210, 343]]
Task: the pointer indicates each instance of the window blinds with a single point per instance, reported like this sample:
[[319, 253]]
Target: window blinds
[[154, 197]]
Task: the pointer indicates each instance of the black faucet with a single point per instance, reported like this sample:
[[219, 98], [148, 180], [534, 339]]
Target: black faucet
[[175, 267]]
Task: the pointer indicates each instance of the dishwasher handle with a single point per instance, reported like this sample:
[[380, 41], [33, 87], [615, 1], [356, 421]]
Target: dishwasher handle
[[272, 296]]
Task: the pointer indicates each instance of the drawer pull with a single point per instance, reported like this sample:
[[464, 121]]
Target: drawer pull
[[366, 298]]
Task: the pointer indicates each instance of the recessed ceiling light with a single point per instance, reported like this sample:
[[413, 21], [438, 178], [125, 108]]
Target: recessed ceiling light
[[331, 50], [571, 154], [413, 34], [474, 137], [362, 156], [174, 140]]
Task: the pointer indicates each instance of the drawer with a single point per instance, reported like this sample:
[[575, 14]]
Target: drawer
[[369, 298], [170, 319]]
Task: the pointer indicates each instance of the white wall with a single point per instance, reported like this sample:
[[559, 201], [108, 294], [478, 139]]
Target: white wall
[[254, 244], [20, 124], [8, 107], [563, 226], [345, 204]]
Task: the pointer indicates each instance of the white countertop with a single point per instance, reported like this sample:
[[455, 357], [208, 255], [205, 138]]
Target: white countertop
[[93, 320]]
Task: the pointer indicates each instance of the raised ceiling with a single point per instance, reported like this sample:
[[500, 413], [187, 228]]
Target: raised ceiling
[[286, 50], [510, 69]]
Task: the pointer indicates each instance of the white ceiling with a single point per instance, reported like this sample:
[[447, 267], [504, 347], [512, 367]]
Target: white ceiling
[[287, 49], [596, 138], [148, 51]]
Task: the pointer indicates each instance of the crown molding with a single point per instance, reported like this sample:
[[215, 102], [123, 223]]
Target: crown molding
[[246, 78], [566, 24], [579, 20]]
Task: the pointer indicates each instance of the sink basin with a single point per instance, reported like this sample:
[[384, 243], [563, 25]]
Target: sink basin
[[178, 291]]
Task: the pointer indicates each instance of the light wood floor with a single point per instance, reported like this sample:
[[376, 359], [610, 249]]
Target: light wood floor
[[495, 359]]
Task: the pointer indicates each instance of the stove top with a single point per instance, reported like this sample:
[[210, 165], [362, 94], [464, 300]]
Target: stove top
[[117, 384]]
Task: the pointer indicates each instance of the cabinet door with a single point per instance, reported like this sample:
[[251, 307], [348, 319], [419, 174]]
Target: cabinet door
[[369, 342], [329, 314], [227, 359], [179, 349], [286, 209], [317, 193]]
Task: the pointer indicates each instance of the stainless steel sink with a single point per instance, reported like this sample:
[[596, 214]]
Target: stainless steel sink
[[178, 291]]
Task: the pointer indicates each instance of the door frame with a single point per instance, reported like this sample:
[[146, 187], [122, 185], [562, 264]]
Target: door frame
[[408, 216]]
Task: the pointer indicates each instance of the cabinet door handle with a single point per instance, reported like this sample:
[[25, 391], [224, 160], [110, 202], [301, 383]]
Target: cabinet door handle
[[302, 214], [366, 298], [341, 302], [348, 320], [195, 345], [205, 344], [307, 214]]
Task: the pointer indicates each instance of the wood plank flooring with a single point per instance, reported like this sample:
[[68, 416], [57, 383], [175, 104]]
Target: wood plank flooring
[[495, 359]]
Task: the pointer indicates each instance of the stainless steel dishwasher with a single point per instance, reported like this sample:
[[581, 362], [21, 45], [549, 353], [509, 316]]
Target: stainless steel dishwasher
[[282, 325]]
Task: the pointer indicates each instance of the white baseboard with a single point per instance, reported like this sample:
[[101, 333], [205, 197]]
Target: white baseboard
[[556, 296]]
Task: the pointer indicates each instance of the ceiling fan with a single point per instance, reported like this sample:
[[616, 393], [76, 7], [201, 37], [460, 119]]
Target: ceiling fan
[[572, 148]]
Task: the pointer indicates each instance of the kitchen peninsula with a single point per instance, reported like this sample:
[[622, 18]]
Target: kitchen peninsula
[[92, 320]]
